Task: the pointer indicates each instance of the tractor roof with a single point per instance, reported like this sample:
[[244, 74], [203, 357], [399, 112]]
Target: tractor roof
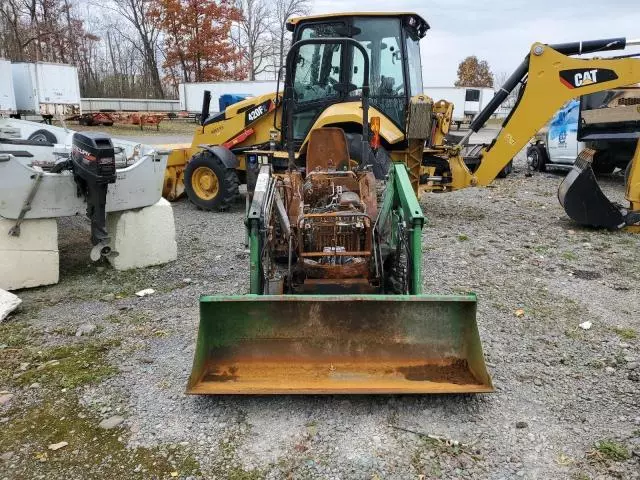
[[420, 23]]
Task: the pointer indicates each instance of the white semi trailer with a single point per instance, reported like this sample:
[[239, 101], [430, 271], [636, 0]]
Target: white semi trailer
[[46, 89], [467, 101], [7, 95], [191, 94]]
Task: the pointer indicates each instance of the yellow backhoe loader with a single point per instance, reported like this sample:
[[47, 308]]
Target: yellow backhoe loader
[[334, 223], [211, 169]]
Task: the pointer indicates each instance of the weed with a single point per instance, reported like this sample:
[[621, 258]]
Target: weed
[[14, 333], [569, 256], [462, 237], [626, 333], [131, 317], [612, 450], [580, 476]]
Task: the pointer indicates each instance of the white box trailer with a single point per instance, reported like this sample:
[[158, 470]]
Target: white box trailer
[[46, 89], [7, 94], [191, 94], [467, 101]]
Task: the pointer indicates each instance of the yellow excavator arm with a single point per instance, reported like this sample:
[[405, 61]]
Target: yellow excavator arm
[[552, 80], [550, 77]]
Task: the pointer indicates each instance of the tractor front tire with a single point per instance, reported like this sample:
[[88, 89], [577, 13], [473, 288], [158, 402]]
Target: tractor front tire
[[209, 184]]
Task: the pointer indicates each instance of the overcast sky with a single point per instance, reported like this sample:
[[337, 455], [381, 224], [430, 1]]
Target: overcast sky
[[501, 31]]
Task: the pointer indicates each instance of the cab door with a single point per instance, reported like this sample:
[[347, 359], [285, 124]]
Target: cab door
[[317, 76]]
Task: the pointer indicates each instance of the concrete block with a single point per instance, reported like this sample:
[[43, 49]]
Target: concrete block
[[8, 303], [32, 259], [36, 234], [143, 237]]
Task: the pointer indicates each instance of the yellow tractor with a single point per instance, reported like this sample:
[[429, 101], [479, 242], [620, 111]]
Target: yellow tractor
[[210, 170], [335, 227]]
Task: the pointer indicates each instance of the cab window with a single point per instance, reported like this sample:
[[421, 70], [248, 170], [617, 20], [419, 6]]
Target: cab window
[[415, 64], [382, 40], [317, 70]]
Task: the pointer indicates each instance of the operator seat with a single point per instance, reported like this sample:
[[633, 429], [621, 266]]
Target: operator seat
[[327, 150]]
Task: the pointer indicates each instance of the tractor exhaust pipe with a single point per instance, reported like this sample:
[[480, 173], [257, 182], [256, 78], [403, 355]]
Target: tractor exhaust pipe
[[206, 103]]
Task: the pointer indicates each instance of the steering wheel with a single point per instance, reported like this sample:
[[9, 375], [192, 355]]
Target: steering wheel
[[398, 88]]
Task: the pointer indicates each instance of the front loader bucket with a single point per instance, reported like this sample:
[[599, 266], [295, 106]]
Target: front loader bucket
[[318, 344], [583, 200]]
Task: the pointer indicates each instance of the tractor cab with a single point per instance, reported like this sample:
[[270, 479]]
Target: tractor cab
[[332, 73]]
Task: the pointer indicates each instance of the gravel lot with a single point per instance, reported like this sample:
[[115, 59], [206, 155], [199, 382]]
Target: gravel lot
[[566, 404]]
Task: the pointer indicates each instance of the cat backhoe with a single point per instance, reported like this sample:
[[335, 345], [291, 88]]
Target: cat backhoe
[[335, 303]]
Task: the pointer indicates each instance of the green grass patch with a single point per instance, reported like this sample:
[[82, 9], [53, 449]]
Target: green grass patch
[[129, 317], [92, 452], [462, 237], [14, 334], [68, 366], [612, 450], [626, 333], [570, 256]]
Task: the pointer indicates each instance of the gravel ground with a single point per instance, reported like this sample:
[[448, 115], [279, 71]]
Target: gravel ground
[[566, 404]]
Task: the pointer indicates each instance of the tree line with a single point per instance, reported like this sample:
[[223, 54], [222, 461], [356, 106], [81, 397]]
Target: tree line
[[145, 48]]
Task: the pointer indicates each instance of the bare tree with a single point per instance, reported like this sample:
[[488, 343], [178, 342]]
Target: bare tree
[[251, 36], [282, 10], [137, 13]]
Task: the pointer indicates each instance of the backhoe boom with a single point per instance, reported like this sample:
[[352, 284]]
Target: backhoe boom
[[552, 79]]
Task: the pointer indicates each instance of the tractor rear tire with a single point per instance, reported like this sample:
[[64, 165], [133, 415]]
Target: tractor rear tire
[[209, 184], [354, 143], [397, 275]]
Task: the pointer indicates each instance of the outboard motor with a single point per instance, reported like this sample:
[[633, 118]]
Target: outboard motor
[[94, 168]]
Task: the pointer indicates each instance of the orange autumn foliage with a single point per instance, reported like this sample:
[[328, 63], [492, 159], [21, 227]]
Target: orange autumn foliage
[[196, 40]]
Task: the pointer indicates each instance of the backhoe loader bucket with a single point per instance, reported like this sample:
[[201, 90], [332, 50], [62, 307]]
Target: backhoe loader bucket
[[583, 200], [323, 344]]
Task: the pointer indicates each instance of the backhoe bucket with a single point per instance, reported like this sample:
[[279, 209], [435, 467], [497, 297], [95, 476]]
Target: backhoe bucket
[[583, 200], [323, 344]]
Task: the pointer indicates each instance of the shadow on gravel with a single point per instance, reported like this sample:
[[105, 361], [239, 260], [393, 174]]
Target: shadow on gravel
[[363, 403]]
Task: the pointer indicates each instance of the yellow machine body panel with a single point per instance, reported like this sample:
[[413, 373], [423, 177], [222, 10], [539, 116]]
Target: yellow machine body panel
[[234, 123], [351, 112]]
